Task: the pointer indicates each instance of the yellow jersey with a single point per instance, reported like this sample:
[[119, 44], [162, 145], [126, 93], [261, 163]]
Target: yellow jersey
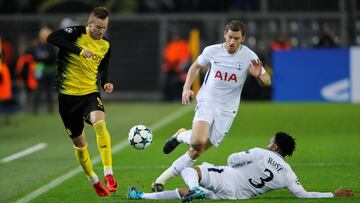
[[77, 75]]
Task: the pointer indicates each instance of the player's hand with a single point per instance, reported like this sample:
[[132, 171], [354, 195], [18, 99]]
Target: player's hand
[[86, 53], [256, 67], [108, 87], [340, 192], [187, 94]]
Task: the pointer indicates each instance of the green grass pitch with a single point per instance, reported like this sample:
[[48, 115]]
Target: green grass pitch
[[327, 154]]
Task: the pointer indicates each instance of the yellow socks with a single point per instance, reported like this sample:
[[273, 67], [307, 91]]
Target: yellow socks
[[104, 144], [83, 157]]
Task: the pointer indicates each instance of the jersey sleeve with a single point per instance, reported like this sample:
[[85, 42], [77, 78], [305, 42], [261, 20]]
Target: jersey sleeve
[[65, 38], [298, 190], [204, 57], [244, 157], [104, 69]]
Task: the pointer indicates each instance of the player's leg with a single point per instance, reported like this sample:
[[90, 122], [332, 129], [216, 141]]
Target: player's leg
[[200, 139], [95, 115], [74, 124], [202, 128], [198, 180], [204, 116], [191, 177], [97, 118], [200, 131], [83, 157], [134, 193], [182, 135], [174, 170]]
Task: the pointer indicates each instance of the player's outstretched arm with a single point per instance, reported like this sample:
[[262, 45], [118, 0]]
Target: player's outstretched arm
[[300, 192], [190, 77], [256, 71], [341, 192]]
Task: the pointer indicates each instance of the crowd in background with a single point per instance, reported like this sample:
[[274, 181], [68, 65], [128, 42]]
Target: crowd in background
[[30, 65], [27, 74], [164, 6], [28, 62]]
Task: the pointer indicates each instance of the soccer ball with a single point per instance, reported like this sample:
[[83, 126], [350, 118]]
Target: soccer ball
[[140, 137]]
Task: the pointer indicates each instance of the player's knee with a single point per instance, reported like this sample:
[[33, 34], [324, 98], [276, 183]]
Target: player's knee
[[198, 143], [196, 151], [79, 141], [198, 148], [96, 116]]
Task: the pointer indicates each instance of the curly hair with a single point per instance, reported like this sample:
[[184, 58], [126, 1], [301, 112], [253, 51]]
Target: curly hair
[[285, 142]]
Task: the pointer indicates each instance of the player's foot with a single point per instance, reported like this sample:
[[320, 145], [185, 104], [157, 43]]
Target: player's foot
[[133, 193], [194, 193], [157, 187], [100, 189], [111, 183], [172, 142]]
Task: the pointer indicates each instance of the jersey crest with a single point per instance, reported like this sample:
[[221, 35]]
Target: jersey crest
[[68, 30]]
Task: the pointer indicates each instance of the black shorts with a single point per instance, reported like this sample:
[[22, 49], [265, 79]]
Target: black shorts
[[74, 110]]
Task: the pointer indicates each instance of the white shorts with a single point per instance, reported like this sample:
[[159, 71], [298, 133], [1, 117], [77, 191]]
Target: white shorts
[[214, 179], [220, 121]]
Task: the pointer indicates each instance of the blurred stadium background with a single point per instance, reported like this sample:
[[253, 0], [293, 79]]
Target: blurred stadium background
[[139, 31], [309, 46]]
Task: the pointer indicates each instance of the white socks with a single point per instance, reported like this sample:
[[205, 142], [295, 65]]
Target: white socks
[[107, 171], [190, 177], [166, 175], [94, 179], [174, 170], [182, 162], [168, 194], [184, 137]]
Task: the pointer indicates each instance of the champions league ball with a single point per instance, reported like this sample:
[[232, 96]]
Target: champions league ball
[[140, 137]]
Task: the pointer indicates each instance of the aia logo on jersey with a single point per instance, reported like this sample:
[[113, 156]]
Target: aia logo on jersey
[[225, 76]]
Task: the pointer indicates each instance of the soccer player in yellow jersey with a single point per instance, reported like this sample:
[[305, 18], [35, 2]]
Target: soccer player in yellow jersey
[[83, 61]]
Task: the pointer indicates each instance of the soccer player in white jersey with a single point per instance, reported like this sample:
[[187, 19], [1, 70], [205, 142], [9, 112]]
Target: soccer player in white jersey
[[248, 174], [218, 99]]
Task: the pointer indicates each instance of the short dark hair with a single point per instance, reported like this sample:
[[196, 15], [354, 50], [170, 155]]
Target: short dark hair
[[100, 12], [285, 142], [236, 25]]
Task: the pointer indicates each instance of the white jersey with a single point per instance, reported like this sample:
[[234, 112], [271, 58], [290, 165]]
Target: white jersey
[[251, 173], [226, 76]]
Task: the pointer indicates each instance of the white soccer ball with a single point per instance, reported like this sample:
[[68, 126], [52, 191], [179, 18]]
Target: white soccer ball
[[140, 137]]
